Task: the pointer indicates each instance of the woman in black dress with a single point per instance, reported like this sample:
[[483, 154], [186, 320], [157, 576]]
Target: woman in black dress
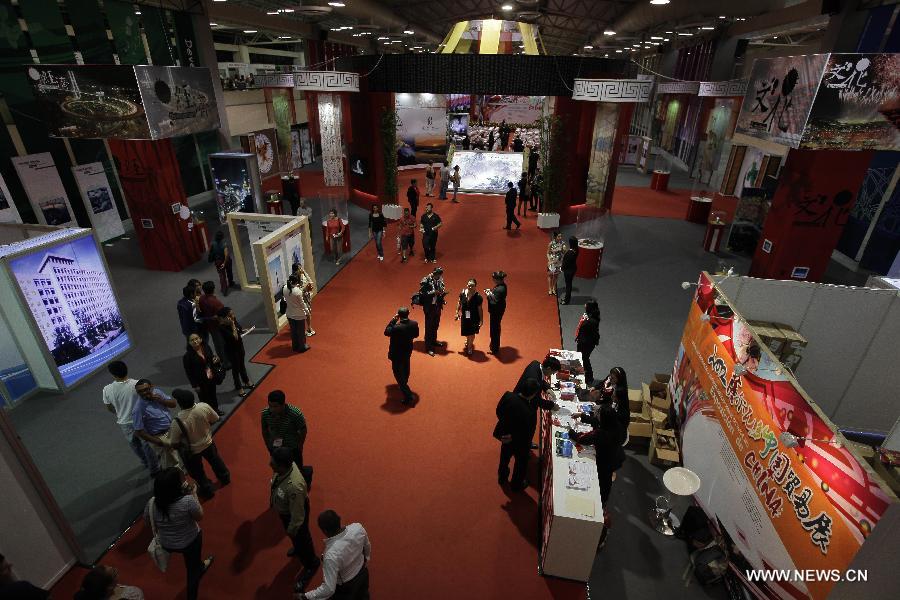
[[606, 437], [200, 367], [234, 350], [587, 336], [569, 266], [470, 314]]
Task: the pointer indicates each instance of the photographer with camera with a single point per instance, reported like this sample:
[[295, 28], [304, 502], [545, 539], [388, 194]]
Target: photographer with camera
[[431, 294], [402, 330]]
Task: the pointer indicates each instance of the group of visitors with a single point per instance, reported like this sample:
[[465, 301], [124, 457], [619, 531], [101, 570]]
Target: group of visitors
[[448, 177], [237, 82], [297, 298], [561, 258]]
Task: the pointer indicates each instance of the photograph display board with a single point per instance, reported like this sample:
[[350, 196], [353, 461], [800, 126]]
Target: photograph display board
[[810, 506], [44, 189], [98, 200], [236, 182], [124, 101], [779, 97], [488, 172], [263, 144], [422, 123], [8, 211], [858, 94], [70, 298], [296, 150]]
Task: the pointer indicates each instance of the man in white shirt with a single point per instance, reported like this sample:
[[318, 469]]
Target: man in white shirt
[[345, 575], [191, 430], [119, 398]]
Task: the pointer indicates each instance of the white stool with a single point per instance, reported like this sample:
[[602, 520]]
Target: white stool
[[681, 482]]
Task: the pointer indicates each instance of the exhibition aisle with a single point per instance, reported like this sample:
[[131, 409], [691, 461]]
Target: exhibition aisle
[[422, 479]]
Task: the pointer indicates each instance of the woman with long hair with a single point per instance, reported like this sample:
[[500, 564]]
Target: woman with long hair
[[555, 252], [232, 338], [173, 512], [200, 366], [470, 314], [587, 336], [606, 437], [569, 266], [102, 583], [377, 225], [616, 387], [305, 283]]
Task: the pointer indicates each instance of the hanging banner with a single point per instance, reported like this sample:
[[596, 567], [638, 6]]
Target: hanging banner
[[857, 94], [779, 97], [422, 124], [98, 200], [330, 131], [44, 189], [605, 123], [806, 504], [8, 211]]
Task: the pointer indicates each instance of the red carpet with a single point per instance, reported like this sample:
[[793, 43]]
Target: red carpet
[[672, 204], [422, 480]]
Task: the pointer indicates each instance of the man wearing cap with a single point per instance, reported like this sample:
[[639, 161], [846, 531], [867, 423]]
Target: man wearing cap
[[402, 331], [432, 291]]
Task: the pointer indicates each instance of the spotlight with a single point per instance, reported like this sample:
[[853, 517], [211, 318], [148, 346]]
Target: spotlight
[[507, 7], [588, 47], [337, 4], [408, 31], [659, 2], [609, 32], [249, 31]]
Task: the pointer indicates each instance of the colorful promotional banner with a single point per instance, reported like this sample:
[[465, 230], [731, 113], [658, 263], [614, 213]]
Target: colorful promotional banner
[[521, 110], [422, 125], [780, 504], [98, 200], [856, 94], [780, 96], [44, 189], [8, 211]]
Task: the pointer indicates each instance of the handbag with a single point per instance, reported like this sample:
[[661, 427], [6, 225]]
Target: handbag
[[282, 307], [185, 448], [218, 370], [158, 554]]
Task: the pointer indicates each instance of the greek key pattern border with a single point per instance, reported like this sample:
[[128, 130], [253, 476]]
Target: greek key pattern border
[[721, 89], [326, 81], [678, 87], [612, 90]]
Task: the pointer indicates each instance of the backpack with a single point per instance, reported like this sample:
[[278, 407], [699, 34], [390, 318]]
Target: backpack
[[710, 564]]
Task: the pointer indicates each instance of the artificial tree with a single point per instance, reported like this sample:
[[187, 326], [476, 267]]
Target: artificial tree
[[552, 134], [389, 147]]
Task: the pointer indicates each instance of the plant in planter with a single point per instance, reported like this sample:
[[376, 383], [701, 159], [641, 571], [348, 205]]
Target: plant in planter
[[552, 134], [389, 147]]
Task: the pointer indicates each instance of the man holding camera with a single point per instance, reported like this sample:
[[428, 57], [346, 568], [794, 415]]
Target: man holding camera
[[432, 292], [402, 330]]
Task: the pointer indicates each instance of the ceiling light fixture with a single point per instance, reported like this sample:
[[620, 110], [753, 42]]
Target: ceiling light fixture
[[670, 32], [509, 7], [618, 52], [588, 47], [655, 37], [287, 10], [722, 17], [666, 39], [272, 12], [659, 2], [609, 32], [249, 31], [408, 31], [284, 37], [382, 38], [707, 28], [213, 24], [686, 34], [337, 4]]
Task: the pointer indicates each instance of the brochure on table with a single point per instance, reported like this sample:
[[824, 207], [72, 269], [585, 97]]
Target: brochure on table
[[98, 200], [44, 189]]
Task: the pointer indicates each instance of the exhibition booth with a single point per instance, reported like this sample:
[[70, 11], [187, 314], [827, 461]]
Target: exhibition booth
[[781, 486]]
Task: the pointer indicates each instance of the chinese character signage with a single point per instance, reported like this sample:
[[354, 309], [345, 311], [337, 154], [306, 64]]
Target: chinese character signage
[[851, 110], [810, 506], [779, 97]]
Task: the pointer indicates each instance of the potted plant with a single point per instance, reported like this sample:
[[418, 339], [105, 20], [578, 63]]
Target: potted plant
[[552, 158], [389, 148]]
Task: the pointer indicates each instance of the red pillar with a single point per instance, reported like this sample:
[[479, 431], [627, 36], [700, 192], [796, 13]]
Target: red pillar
[[151, 184], [816, 192], [578, 123], [364, 120]]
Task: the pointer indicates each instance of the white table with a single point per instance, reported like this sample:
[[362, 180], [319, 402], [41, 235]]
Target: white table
[[571, 520]]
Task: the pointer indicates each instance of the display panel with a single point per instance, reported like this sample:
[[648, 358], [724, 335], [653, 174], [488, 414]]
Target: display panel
[[233, 181], [98, 199], [44, 189], [487, 171], [70, 297], [521, 110], [421, 128], [177, 100]]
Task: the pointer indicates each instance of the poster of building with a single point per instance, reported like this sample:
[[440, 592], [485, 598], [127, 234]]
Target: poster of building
[[422, 124], [177, 100], [293, 249], [70, 297], [233, 179], [44, 189], [487, 171], [779, 97], [809, 506], [850, 112], [8, 211], [98, 200], [95, 101]]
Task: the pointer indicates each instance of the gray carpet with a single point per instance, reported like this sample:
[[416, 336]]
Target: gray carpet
[[98, 483]]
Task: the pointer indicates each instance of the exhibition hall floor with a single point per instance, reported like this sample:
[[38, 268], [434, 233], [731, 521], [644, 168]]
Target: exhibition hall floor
[[421, 479]]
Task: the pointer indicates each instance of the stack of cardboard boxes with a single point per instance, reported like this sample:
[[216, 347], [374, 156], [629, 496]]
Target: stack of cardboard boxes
[[785, 343], [650, 419]]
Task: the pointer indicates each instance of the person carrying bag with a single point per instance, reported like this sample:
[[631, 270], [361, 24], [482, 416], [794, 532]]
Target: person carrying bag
[[158, 554]]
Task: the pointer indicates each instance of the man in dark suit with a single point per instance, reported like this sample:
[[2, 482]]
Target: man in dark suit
[[496, 298], [516, 423], [511, 206], [540, 372], [402, 330]]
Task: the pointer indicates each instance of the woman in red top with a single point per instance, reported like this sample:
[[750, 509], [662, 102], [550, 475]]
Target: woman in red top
[[334, 229], [407, 234]]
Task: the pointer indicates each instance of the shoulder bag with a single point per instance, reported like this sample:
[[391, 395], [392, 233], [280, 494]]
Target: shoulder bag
[[185, 448], [158, 554]]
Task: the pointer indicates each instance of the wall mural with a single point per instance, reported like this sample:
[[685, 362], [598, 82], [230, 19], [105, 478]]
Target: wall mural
[[605, 123], [487, 171]]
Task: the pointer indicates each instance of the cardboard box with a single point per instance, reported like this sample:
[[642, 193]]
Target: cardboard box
[[658, 417], [639, 428], [664, 448], [645, 411], [794, 343], [662, 378], [635, 401], [659, 403], [659, 389], [890, 475], [770, 334]]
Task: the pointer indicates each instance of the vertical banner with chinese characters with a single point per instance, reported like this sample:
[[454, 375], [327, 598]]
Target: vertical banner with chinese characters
[[805, 507], [779, 97], [98, 200], [330, 129]]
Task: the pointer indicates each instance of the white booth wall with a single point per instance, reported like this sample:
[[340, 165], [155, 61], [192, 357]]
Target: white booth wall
[[851, 364]]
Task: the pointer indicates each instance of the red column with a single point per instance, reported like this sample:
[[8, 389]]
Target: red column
[[151, 184], [816, 192], [578, 122], [362, 116]]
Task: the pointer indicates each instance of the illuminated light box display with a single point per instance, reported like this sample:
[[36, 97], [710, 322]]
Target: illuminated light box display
[[66, 302], [487, 172], [236, 179]]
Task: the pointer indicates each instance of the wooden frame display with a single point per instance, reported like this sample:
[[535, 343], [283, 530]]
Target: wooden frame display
[[729, 180]]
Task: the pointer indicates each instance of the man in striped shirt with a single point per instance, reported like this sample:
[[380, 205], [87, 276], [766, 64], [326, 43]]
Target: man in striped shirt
[[284, 426]]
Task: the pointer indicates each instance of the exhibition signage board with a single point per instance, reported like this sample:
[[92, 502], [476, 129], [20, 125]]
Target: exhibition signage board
[[612, 90], [515, 110], [805, 507], [137, 102], [857, 105], [422, 124], [8, 211], [98, 200], [44, 189], [779, 97]]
